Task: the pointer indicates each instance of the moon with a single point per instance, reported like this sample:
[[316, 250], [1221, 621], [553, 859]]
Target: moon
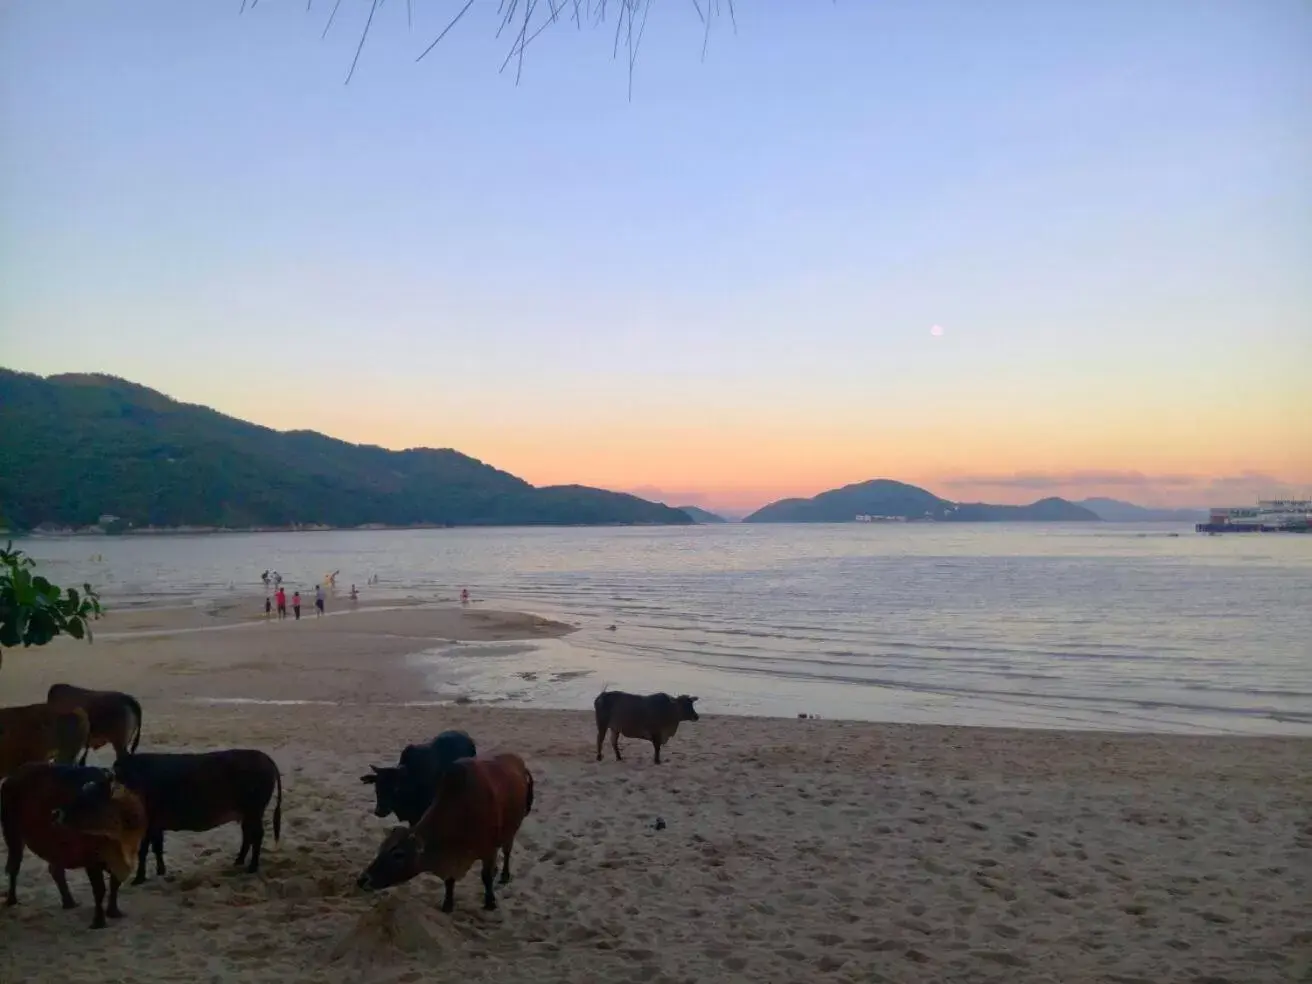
[[936, 331]]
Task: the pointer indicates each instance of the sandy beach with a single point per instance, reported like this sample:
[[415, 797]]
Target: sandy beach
[[792, 850]]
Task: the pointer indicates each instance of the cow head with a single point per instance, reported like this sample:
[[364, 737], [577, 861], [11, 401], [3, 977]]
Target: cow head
[[91, 796], [685, 705], [398, 860], [388, 782]]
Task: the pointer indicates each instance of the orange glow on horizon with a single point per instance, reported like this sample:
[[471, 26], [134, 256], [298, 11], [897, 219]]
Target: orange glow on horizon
[[740, 461]]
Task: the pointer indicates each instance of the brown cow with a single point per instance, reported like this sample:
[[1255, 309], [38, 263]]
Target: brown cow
[[72, 817], [654, 717], [477, 810], [39, 733], [115, 717]]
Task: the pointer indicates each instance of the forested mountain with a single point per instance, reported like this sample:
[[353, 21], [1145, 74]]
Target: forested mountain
[[886, 498], [76, 447]]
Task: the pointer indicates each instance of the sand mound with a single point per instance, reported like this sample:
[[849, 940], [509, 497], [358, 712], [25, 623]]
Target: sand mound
[[393, 928]]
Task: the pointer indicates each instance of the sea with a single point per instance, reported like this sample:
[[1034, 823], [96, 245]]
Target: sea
[[1149, 628]]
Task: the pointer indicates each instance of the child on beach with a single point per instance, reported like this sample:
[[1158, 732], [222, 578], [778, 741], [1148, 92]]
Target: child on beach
[[268, 607], [318, 601], [296, 604]]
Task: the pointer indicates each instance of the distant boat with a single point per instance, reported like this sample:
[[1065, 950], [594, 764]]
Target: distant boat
[[1268, 516]]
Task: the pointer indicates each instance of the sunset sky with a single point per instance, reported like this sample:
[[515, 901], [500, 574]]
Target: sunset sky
[[723, 291]]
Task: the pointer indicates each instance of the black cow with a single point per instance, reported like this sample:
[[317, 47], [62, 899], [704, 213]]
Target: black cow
[[406, 788], [201, 791], [654, 717]]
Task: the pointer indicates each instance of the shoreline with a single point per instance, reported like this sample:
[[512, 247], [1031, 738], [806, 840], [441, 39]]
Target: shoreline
[[151, 531], [181, 531], [408, 651]]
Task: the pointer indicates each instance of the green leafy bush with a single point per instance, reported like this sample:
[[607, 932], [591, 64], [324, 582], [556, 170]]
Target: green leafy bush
[[33, 611]]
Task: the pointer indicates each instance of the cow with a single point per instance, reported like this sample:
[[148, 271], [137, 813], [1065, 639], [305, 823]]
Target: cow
[[406, 788], [200, 791], [654, 717], [479, 806], [115, 717], [39, 733], [72, 816]]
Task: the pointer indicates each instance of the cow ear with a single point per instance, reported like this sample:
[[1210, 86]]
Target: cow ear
[[693, 700], [375, 770]]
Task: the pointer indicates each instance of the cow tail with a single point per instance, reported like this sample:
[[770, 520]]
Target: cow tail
[[136, 709], [528, 799], [277, 809]]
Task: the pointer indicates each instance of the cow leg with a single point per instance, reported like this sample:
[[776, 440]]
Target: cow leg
[[61, 883], [245, 845], [113, 911], [489, 868], [615, 744], [13, 862], [96, 875], [601, 739], [505, 863], [157, 842], [142, 851], [449, 895], [657, 744], [252, 832]]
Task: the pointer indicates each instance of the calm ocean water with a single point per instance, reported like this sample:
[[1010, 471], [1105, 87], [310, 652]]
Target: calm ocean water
[[1113, 627]]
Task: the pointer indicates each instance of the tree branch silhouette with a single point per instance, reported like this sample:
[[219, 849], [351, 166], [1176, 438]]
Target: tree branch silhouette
[[529, 19]]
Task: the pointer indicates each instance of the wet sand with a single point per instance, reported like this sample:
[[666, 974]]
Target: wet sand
[[793, 850]]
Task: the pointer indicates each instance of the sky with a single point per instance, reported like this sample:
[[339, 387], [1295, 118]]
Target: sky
[[1003, 251]]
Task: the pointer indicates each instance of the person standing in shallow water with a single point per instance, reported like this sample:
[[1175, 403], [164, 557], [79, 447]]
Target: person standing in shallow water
[[280, 599], [296, 604], [318, 601]]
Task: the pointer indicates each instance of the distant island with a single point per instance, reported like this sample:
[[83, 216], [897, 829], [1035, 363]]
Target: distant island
[[1116, 511], [883, 499], [94, 451], [701, 516]]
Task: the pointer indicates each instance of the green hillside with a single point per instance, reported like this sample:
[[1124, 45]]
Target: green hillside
[[75, 447], [883, 497]]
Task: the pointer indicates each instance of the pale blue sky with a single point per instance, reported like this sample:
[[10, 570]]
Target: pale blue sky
[[723, 286]]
